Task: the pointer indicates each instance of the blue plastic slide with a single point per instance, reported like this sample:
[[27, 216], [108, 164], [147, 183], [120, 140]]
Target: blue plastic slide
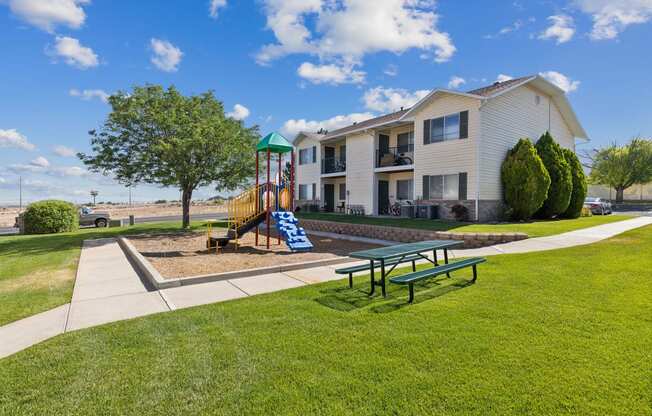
[[287, 226]]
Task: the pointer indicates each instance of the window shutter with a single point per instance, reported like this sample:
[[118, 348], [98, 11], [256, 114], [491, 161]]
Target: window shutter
[[314, 154], [426, 187], [314, 191], [464, 125], [462, 186], [426, 131]]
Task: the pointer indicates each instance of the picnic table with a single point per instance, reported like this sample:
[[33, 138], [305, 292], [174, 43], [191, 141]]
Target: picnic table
[[396, 254]]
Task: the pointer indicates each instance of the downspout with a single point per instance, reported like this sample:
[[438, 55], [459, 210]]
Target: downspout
[[477, 163]]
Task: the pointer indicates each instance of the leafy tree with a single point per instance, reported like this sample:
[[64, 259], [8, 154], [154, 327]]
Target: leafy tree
[[159, 136], [580, 187], [622, 167], [525, 180], [561, 181]]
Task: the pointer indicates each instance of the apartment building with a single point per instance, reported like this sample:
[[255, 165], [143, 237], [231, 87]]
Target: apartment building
[[446, 150]]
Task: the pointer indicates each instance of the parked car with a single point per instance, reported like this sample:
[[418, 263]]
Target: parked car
[[598, 206], [89, 217]]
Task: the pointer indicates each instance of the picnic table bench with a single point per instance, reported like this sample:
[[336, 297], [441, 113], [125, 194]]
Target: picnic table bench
[[402, 253]]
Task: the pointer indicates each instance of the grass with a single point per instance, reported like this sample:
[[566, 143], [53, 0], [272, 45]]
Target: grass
[[37, 272], [556, 332], [533, 228]]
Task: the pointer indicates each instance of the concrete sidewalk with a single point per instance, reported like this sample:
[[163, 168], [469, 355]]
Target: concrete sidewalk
[[108, 289]]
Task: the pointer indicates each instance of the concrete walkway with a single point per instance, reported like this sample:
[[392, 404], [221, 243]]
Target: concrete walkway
[[108, 289]]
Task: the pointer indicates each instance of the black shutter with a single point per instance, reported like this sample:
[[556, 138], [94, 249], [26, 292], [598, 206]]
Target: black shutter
[[426, 187], [426, 131], [314, 154], [462, 186], [464, 125], [314, 191]]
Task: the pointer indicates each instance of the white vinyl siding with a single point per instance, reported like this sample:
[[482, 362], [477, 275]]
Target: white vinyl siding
[[508, 118], [451, 156], [360, 156], [309, 173]]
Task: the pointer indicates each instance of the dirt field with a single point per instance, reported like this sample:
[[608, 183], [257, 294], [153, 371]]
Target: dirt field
[[7, 215], [184, 255]]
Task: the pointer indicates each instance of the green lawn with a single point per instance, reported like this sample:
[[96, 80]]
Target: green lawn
[[37, 272], [533, 228], [556, 332]]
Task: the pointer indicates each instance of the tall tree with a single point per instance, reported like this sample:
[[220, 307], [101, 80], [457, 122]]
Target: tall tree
[[158, 136], [525, 180], [561, 181], [622, 166], [580, 187]]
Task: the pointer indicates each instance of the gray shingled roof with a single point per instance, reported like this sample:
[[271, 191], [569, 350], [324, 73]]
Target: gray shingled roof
[[388, 118], [384, 119], [496, 87]]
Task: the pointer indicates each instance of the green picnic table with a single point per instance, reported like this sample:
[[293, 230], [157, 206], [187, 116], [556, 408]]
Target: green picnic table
[[395, 255]]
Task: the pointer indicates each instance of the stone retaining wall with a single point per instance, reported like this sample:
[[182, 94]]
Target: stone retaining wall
[[410, 235]]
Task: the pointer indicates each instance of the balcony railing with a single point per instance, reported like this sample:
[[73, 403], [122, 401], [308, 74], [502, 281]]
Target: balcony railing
[[395, 156], [332, 165]]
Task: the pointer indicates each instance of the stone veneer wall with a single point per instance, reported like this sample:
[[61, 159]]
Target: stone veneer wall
[[489, 210], [409, 235]]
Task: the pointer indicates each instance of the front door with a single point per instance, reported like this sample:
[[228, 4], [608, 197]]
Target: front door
[[383, 197], [329, 197]]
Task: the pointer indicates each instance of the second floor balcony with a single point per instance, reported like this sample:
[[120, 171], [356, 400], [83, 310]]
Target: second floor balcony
[[333, 165], [395, 156]]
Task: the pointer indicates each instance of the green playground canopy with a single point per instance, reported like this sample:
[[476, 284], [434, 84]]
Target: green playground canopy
[[275, 143]]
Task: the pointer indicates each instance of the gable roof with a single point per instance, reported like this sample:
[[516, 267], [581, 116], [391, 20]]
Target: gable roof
[[484, 93], [306, 135]]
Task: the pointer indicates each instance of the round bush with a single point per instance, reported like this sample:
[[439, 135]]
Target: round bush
[[52, 216], [525, 180], [561, 181], [580, 188]]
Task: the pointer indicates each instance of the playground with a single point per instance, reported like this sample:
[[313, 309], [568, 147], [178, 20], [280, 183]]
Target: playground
[[261, 230]]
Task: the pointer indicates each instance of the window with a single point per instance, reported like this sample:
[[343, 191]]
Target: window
[[303, 192], [404, 189], [445, 187], [405, 142], [343, 153], [342, 192], [451, 127], [307, 156], [314, 191]]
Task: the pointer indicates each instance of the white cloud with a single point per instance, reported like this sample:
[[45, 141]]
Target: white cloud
[[88, 95], [59, 171], [561, 80], [292, 127], [167, 57], [40, 162], [64, 171], [503, 78], [456, 82], [12, 138], [74, 53], [517, 25], [387, 100], [330, 74], [64, 151], [47, 14], [214, 7], [240, 112], [391, 70], [611, 17], [347, 30], [562, 29]]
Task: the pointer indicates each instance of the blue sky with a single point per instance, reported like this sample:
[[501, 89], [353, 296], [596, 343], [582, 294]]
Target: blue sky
[[297, 64]]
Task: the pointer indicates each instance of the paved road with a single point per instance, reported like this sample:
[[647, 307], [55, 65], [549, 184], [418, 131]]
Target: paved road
[[197, 217]]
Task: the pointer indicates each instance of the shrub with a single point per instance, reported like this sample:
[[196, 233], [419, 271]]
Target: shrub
[[52, 216], [561, 181], [586, 212], [525, 180], [580, 188], [460, 212]]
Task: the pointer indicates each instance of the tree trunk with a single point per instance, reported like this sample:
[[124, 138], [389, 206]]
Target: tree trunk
[[185, 202], [620, 194]]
